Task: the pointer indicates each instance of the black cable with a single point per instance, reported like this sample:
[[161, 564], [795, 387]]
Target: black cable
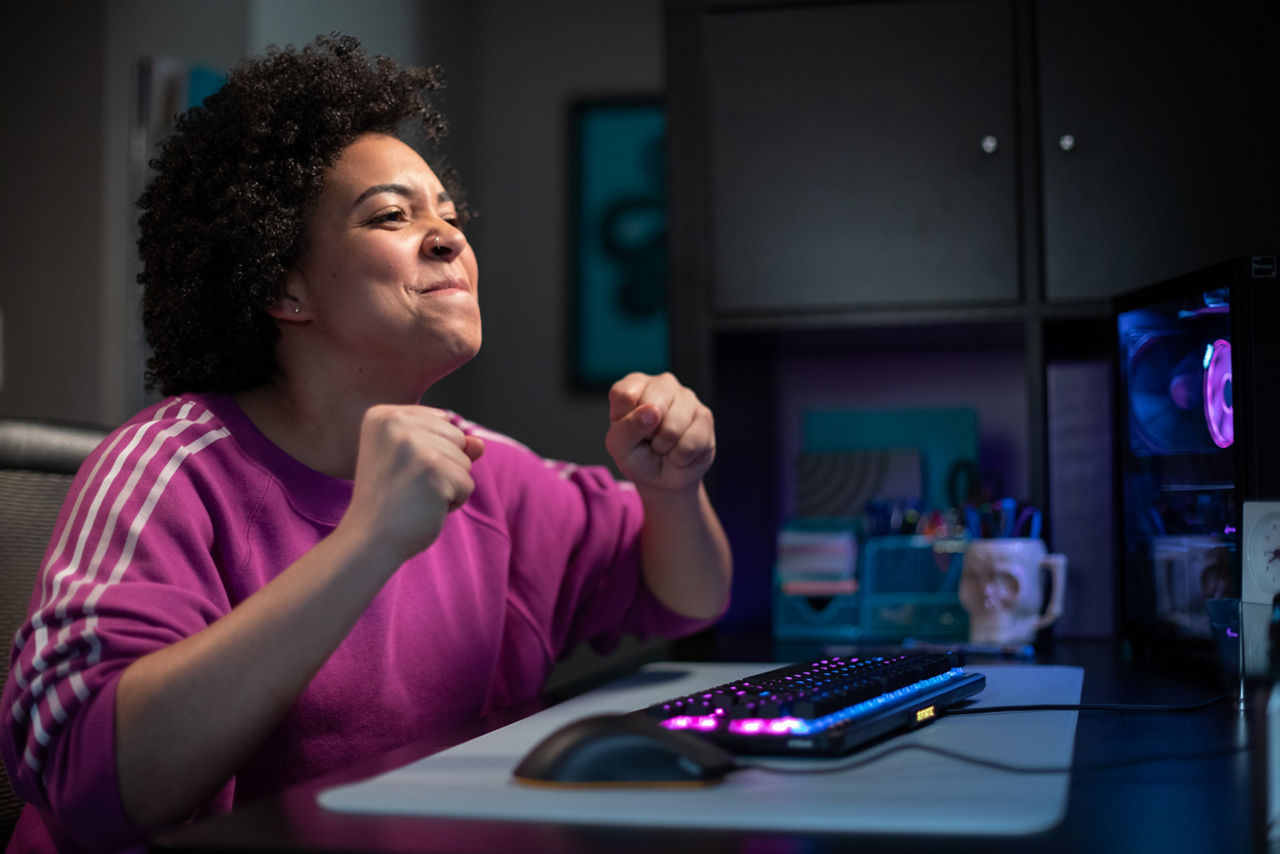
[[988, 763], [1023, 769], [1087, 707]]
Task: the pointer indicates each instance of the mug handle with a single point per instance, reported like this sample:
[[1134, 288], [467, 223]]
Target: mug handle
[[1057, 566]]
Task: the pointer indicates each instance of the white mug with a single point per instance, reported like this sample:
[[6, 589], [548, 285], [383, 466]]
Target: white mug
[[1001, 589]]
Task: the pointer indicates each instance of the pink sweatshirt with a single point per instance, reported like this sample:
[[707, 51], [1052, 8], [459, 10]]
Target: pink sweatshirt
[[187, 510]]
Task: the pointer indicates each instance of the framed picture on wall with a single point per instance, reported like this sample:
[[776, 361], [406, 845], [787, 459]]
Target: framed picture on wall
[[618, 239]]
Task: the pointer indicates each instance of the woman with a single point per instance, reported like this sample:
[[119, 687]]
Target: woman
[[289, 564]]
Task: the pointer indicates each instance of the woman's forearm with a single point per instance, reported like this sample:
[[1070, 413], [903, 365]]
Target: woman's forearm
[[687, 561]]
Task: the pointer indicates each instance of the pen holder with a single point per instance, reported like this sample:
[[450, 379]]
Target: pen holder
[[906, 589]]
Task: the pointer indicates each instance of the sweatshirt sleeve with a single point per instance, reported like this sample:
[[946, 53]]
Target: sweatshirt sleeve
[[131, 568], [604, 595]]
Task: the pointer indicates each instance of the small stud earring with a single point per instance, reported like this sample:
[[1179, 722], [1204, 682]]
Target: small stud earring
[[297, 309]]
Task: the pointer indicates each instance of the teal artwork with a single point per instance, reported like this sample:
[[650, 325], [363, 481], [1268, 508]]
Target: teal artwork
[[618, 240], [945, 438]]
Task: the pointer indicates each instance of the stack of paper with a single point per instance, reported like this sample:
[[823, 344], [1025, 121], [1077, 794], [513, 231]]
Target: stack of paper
[[817, 562]]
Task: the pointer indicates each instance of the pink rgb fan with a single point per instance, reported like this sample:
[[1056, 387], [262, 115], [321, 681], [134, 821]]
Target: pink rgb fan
[[1217, 393]]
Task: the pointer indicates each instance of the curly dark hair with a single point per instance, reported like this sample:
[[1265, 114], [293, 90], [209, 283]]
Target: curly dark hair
[[223, 218]]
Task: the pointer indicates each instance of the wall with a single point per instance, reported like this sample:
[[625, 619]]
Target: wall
[[528, 62], [198, 32], [391, 27], [51, 242]]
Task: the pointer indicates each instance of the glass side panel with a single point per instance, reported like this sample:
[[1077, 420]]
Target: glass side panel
[[1177, 466]]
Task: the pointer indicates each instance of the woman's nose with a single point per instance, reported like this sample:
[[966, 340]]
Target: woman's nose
[[445, 243]]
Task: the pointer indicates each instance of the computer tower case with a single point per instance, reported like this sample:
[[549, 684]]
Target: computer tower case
[[1197, 434]]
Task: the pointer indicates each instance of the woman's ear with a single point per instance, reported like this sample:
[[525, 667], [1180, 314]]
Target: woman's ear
[[290, 303]]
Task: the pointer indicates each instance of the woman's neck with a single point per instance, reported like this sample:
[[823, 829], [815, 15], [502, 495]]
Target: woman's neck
[[318, 427]]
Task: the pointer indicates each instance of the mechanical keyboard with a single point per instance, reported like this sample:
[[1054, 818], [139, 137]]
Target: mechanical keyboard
[[827, 707]]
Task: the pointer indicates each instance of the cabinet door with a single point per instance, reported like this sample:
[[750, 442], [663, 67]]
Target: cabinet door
[[862, 156], [1153, 155]]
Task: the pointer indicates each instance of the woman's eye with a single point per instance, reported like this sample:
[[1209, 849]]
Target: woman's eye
[[388, 216]]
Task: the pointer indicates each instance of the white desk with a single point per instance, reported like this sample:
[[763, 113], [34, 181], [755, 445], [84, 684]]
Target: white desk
[[907, 792]]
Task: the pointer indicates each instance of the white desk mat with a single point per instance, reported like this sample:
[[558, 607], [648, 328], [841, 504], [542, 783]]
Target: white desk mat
[[907, 792]]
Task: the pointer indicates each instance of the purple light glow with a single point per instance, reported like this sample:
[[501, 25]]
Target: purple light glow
[[705, 723], [1217, 383], [771, 726]]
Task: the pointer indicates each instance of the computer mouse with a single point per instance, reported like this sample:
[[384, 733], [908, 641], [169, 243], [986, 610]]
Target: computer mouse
[[623, 750]]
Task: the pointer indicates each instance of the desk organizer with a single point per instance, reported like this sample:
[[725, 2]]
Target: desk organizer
[[907, 588]]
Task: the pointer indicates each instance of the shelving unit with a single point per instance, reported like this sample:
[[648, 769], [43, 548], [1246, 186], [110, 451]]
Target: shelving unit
[[860, 186]]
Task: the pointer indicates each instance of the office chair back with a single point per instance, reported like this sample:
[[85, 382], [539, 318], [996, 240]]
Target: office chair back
[[38, 460]]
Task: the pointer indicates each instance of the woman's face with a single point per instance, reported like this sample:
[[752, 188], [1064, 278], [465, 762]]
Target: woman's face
[[385, 279]]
